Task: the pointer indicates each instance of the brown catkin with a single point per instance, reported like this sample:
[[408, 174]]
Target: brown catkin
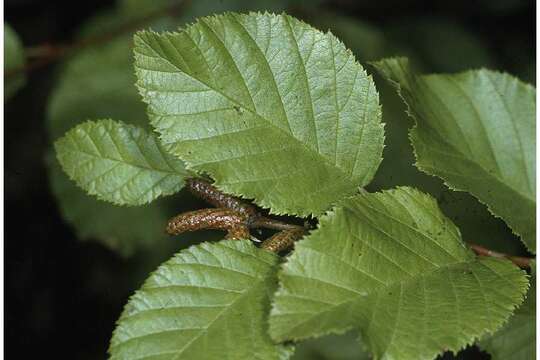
[[238, 233], [233, 222], [212, 195], [283, 240]]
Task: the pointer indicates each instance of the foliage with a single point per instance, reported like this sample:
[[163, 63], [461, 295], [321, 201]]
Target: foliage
[[14, 59], [119, 163], [276, 111], [206, 301], [462, 132], [398, 270], [517, 339], [105, 72], [289, 83], [368, 43]]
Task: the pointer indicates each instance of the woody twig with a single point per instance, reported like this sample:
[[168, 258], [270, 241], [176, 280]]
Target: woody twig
[[234, 216]]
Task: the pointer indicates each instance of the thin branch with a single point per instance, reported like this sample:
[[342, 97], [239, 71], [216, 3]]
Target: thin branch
[[246, 212], [522, 262], [48, 53], [269, 223]]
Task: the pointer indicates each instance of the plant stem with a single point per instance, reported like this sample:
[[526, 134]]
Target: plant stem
[[522, 262], [46, 54], [269, 223]]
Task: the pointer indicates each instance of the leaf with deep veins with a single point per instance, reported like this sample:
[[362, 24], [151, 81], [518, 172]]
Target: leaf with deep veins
[[208, 302], [271, 108], [392, 265], [475, 130], [119, 163]]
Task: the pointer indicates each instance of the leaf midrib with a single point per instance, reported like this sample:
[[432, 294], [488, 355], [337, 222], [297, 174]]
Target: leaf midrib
[[126, 163]]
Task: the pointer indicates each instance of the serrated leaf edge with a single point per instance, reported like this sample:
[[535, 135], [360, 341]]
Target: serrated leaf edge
[[414, 129], [219, 182], [331, 214], [98, 196]]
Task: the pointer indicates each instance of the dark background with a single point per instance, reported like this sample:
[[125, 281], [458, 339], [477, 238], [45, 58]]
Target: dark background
[[63, 296]]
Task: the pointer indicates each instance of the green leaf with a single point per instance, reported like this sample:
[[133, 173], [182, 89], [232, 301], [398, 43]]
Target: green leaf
[[475, 130], [369, 43], [14, 58], [268, 106], [393, 266], [119, 163], [517, 339], [208, 302], [474, 220]]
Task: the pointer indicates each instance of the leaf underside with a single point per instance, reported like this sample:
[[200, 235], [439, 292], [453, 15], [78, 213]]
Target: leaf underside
[[271, 108], [208, 302], [476, 131], [392, 265], [119, 163]]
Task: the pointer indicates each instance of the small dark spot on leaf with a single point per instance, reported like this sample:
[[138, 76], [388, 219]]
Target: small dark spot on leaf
[[238, 110]]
